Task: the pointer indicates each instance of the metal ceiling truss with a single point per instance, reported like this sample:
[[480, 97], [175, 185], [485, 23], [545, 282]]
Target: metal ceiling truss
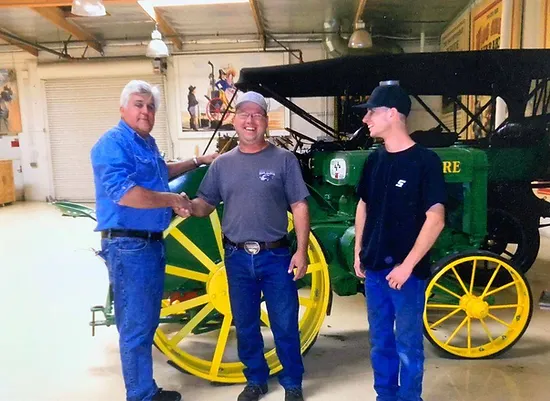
[[57, 17], [51, 3], [258, 19], [28, 46]]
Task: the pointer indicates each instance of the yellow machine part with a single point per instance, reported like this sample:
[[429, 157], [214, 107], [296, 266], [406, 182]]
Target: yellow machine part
[[212, 355], [472, 318]]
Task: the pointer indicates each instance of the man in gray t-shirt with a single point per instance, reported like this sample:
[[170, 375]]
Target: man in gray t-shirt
[[256, 189], [258, 183]]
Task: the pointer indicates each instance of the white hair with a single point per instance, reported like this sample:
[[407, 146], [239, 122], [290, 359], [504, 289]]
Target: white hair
[[140, 87]]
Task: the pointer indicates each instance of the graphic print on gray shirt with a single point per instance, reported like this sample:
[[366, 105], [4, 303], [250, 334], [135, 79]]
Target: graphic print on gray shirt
[[256, 189]]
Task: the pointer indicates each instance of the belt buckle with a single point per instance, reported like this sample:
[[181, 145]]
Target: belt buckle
[[252, 247]]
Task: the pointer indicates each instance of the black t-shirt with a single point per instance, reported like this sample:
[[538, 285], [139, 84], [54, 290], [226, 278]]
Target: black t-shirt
[[398, 189]]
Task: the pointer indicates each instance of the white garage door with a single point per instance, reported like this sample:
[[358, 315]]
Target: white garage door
[[79, 112]]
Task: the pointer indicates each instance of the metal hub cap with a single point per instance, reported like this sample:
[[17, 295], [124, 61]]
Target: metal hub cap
[[474, 306], [219, 292]]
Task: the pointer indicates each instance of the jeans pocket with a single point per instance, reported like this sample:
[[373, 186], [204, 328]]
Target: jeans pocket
[[229, 251], [126, 244]]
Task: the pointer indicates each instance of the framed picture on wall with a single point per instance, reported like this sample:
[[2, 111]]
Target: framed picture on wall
[[10, 112], [207, 85]]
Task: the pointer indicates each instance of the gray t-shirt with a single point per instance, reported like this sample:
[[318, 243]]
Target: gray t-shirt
[[256, 189]]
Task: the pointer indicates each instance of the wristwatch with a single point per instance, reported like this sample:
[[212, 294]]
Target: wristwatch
[[196, 161]]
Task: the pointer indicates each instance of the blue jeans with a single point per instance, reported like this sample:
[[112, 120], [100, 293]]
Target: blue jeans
[[136, 273], [397, 357], [248, 277]]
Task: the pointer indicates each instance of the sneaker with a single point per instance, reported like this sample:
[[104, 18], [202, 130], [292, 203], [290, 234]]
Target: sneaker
[[294, 394], [252, 392], [163, 395]]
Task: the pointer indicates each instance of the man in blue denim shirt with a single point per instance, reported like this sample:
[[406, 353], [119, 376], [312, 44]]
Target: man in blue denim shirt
[[134, 206], [258, 184]]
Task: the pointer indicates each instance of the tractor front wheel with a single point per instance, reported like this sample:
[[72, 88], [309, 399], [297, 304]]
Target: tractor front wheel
[[476, 321]]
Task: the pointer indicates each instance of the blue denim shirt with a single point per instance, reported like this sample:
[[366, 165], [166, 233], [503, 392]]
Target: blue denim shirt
[[121, 159]]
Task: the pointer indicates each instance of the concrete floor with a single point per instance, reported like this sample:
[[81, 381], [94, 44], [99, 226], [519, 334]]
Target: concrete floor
[[50, 278]]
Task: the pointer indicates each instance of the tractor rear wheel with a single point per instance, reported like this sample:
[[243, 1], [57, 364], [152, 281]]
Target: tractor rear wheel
[[195, 330], [470, 321]]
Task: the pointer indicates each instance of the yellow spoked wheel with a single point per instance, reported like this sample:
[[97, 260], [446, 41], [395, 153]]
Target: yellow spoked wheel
[[471, 321], [195, 330]]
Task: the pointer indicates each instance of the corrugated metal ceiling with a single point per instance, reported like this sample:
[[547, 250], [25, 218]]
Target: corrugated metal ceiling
[[298, 19]]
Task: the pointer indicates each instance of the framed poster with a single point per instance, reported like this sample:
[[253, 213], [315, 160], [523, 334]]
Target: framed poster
[[207, 85], [486, 23], [10, 112], [457, 36]]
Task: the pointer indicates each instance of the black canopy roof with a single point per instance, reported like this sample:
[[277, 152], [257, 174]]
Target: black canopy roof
[[502, 72]]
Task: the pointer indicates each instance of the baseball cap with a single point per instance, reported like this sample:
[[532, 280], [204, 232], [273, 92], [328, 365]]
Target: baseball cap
[[252, 97], [388, 94]]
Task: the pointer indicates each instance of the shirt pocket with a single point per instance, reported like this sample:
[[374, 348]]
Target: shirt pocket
[[145, 168]]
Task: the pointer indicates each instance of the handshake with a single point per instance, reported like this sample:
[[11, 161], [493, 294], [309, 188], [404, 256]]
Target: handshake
[[182, 205]]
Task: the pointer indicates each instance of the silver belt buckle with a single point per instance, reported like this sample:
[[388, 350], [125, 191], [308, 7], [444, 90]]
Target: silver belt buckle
[[252, 247]]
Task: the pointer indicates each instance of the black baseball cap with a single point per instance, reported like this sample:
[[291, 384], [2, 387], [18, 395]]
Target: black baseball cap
[[388, 94]]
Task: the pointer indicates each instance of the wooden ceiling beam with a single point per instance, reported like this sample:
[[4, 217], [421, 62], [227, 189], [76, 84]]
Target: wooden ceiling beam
[[258, 19], [164, 26], [22, 46], [360, 11], [57, 16], [50, 3]]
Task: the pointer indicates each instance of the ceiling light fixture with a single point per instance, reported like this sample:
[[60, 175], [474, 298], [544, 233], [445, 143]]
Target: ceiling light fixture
[[360, 38], [169, 3], [88, 8], [157, 48]]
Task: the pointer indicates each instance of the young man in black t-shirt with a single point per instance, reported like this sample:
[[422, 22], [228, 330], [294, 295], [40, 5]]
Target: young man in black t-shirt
[[399, 216]]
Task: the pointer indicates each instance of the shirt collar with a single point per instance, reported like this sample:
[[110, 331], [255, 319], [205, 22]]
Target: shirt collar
[[127, 129], [122, 124]]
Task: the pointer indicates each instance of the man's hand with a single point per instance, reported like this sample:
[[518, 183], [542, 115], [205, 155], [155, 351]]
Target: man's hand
[[208, 159], [179, 200], [399, 276], [357, 266], [299, 260], [182, 205]]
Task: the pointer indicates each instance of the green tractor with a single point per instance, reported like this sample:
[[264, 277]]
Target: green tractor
[[478, 300]]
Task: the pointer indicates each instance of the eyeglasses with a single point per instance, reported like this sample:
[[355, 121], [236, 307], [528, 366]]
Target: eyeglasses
[[255, 116]]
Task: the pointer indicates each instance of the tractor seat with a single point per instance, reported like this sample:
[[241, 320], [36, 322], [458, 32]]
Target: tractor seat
[[434, 138], [517, 134]]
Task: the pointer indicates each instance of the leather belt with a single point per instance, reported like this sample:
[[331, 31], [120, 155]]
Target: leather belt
[[253, 247], [153, 236]]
